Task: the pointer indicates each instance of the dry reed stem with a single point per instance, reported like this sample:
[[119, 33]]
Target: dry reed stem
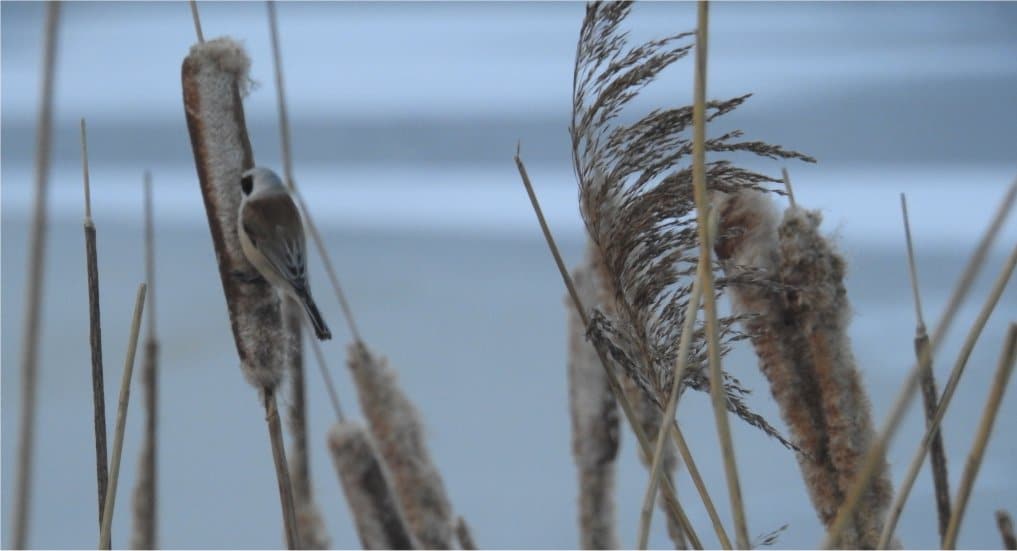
[[286, 500], [1005, 524], [146, 488], [904, 399], [121, 423], [710, 303], [646, 514], [329, 384], [95, 333], [376, 513], [977, 453], [396, 427], [944, 401], [309, 522], [36, 274], [465, 535], [927, 380], [197, 21], [594, 415], [644, 444], [787, 186]]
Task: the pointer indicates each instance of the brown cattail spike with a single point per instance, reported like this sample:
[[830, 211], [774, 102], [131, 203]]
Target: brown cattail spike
[[365, 482], [395, 425]]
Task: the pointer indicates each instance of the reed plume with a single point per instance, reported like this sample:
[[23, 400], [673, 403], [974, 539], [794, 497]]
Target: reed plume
[[788, 287], [637, 203], [595, 424], [1005, 524], [395, 426], [365, 480]]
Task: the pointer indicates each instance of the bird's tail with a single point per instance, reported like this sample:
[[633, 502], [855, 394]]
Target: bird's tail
[[320, 328]]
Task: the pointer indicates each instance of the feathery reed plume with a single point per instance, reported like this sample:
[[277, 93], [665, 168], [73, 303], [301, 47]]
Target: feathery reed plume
[[877, 452], [596, 328], [594, 415], [637, 201], [33, 301], [788, 288], [464, 535], [94, 332], [146, 488], [930, 394], [1005, 524], [364, 479], [214, 77], [395, 425], [977, 453], [118, 433]]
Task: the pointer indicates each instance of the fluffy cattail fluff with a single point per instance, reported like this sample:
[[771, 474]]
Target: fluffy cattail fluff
[[814, 275], [791, 296], [594, 424], [375, 508], [396, 428], [215, 75]]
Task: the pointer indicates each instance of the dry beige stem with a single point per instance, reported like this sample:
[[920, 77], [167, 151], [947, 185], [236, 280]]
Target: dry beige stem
[[375, 509], [594, 425], [395, 425]]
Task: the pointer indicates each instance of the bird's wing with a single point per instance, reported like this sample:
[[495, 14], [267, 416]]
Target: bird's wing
[[274, 226]]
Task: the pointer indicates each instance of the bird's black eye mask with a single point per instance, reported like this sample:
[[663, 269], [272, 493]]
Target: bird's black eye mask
[[247, 184]]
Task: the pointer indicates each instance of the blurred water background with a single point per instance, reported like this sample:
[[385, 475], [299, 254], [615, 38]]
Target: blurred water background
[[405, 120]]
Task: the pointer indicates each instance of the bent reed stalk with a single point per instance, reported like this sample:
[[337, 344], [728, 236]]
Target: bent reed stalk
[[121, 423]]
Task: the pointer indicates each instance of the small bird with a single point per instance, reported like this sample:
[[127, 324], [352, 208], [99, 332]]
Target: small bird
[[272, 237]]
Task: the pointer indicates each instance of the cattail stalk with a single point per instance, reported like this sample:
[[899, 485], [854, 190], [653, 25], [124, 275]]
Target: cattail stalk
[[670, 495], [395, 426], [1005, 524], [94, 333], [365, 482], [977, 453], [33, 295], [214, 75], [594, 414], [930, 394], [863, 479], [717, 393], [146, 488], [118, 433]]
